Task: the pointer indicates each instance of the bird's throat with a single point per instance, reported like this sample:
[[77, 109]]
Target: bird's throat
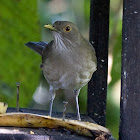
[[62, 43]]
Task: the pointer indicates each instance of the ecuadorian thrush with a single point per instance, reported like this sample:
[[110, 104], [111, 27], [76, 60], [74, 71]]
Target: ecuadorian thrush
[[68, 61]]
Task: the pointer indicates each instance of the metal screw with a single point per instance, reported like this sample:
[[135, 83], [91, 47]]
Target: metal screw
[[64, 111], [18, 84]]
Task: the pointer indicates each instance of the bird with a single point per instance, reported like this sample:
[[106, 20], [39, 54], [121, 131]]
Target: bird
[[68, 61]]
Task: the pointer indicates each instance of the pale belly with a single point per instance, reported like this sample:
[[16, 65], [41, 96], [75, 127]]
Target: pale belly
[[67, 80], [68, 77]]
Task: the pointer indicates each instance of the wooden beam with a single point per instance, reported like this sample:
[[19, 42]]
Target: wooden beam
[[99, 34], [130, 90]]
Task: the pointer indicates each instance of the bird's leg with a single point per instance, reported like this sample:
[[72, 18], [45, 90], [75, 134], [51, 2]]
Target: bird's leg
[[76, 93], [52, 94]]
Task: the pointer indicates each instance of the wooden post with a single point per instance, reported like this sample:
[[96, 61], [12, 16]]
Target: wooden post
[[130, 90], [99, 33]]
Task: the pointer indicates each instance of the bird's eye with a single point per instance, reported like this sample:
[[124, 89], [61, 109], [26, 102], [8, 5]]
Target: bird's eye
[[67, 28]]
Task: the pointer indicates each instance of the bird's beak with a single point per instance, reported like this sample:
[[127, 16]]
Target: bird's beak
[[50, 27]]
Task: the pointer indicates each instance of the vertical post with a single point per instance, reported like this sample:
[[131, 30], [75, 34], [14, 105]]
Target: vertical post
[[18, 84], [99, 35], [130, 86]]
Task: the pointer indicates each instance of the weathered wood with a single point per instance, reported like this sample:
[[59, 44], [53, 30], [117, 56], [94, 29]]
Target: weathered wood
[[130, 90], [72, 116], [99, 34], [15, 133]]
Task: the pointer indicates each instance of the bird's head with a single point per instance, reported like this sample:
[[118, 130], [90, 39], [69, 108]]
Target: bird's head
[[65, 30]]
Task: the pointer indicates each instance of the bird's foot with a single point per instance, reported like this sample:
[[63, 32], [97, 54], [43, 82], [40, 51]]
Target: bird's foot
[[50, 113], [78, 118]]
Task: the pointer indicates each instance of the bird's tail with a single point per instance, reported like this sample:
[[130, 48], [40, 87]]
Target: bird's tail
[[38, 47]]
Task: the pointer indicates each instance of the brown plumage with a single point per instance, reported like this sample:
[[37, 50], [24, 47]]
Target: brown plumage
[[68, 61]]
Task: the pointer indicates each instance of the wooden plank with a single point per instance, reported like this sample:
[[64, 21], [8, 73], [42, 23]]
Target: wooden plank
[[15, 133], [71, 116], [99, 34], [130, 90]]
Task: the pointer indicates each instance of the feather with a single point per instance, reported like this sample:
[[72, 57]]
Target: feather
[[38, 47]]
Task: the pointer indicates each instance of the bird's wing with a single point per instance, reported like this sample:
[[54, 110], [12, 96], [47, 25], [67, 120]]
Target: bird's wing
[[38, 47]]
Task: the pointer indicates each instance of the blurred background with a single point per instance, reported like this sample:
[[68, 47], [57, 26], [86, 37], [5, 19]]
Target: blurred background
[[22, 21]]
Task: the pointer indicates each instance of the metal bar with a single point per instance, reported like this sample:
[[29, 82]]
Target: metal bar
[[99, 35], [130, 85]]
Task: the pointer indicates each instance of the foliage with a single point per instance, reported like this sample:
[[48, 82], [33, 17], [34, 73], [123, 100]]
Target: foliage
[[19, 24]]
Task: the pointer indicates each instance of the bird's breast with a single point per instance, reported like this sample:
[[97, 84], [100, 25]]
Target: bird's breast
[[68, 71]]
